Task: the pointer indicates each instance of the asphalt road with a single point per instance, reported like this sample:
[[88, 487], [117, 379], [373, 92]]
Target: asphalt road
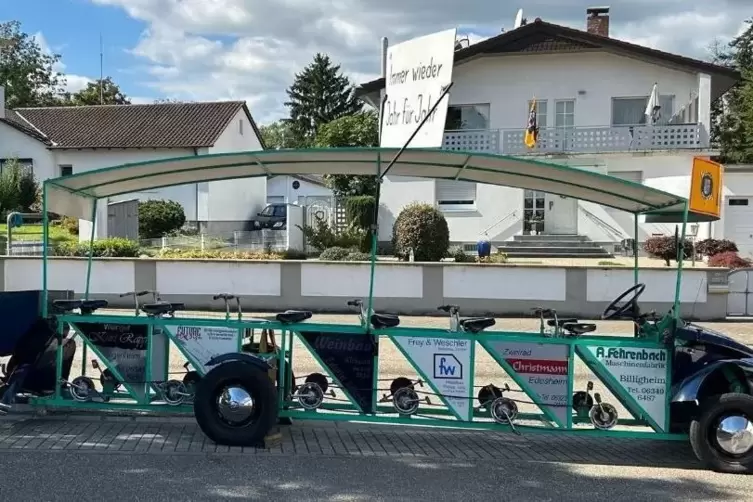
[[84, 477]]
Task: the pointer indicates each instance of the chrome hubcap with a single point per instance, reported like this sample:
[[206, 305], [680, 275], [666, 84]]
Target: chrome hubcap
[[235, 405], [735, 435]]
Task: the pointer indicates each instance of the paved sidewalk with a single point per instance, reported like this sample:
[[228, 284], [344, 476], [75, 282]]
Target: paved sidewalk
[[160, 436]]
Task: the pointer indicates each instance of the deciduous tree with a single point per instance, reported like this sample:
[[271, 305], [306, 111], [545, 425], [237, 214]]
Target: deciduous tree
[[26, 71]]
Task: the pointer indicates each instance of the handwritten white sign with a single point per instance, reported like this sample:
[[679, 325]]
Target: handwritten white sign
[[418, 71]]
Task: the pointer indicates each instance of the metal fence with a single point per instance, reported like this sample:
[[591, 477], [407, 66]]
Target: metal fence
[[239, 240], [22, 248]]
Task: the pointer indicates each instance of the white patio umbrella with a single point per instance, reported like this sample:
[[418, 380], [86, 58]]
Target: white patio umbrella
[[653, 108]]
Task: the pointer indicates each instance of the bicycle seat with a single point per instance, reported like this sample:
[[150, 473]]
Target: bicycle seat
[[293, 316], [560, 322], [380, 321], [477, 324], [161, 308], [67, 305], [579, 328], [86, 306], [90, 306]]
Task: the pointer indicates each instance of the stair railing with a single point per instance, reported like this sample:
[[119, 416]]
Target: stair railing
[[603, 224], [512, 214]]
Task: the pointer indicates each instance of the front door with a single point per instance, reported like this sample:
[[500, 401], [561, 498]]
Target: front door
[[561, 215], [533, 212]]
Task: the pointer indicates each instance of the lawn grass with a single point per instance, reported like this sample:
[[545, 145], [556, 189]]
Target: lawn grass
[[33, 232]]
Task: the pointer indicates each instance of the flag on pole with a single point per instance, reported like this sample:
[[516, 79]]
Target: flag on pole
[[532, 129]]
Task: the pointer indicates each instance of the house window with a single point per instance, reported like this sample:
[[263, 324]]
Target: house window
[[66, 170], [738, 202], [27, 165], [632, 111], [564, 113], [456, 195], [542, 112], [240, 127], [465, 117]]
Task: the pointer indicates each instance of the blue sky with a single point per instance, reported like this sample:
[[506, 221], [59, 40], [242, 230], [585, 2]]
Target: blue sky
[[206, 50], [72, 28]]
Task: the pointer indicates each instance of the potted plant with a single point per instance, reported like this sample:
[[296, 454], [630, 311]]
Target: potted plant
[[537, 222]]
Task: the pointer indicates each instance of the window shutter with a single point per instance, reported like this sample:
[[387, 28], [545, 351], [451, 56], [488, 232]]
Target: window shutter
[[456, 192]]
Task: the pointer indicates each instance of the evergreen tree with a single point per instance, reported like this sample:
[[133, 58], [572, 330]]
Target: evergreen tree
[[319, 94], [732, 115]]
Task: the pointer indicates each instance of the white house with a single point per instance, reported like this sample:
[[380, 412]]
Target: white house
[[59, 141], [299, 189], [591, 93]]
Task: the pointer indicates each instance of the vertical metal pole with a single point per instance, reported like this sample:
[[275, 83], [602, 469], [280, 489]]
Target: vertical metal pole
[[374, 234], [635, 248], [680, 256], [45, 239], [91, 252], [377, 193]]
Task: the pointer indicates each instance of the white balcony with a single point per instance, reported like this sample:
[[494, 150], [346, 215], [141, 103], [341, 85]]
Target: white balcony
[[582, 139]]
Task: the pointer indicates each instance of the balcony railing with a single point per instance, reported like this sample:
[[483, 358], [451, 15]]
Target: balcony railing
[[581, 139]]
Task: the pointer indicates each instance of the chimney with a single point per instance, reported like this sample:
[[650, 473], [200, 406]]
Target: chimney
[[2, 102], [597, 21]]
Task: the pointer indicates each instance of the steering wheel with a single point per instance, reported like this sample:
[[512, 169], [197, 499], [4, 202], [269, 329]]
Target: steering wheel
[[615, 310]]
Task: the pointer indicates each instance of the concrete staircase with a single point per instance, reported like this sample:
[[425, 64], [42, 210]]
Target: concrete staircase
[[552, 246]]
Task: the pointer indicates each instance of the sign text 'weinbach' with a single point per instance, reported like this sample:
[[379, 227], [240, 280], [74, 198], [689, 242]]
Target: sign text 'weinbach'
[[418, 72]]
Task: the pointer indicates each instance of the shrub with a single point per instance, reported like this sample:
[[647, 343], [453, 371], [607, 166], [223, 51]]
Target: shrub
[[158, 218], [216, 254], [321, 236], [9, 181], [665, 248], [461, 256], [359, 211], [69, 224], [28, 191], [423, 229], [498, 257], [293, 254], [358, 256], [728, 259], [115, 247], [335, 254], [711, 247]]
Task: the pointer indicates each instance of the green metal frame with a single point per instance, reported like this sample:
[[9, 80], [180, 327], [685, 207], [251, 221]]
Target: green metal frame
[[544, 422]]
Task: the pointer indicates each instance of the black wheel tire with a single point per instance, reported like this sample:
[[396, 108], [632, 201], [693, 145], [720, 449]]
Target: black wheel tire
[[257, 383], [582, 400], [704, 443]]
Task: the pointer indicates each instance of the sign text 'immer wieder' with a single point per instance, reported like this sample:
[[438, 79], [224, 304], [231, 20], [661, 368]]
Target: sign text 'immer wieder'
[[418, 71]]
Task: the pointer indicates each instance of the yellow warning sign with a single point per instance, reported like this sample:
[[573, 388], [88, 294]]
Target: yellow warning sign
[[706, 187]]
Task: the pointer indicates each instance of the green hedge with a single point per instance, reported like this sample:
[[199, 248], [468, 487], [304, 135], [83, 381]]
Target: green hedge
[[115, 247]]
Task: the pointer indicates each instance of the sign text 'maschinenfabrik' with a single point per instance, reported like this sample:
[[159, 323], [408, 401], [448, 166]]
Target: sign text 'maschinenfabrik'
[[418, 71]]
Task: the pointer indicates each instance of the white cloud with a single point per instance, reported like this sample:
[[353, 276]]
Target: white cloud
[[251, 49], [74, 83]]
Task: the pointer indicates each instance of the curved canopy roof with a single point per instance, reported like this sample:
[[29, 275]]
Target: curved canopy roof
[[74, 195]]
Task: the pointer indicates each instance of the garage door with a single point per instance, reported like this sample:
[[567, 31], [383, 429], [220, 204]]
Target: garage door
[[738, 223]]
